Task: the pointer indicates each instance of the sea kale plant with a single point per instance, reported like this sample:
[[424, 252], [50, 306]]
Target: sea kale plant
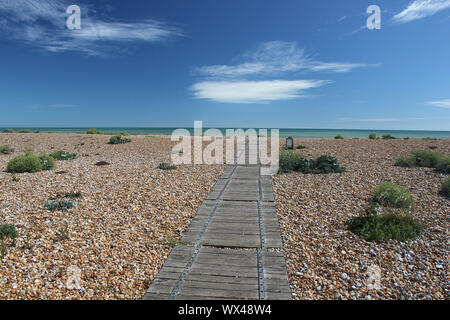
[[293, 161], [118, 140], [62, 155], [62, 205]]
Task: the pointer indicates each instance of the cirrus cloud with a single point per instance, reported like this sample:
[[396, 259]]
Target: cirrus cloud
[[440, 103], [42, 24], [419, 9], [254, 91]]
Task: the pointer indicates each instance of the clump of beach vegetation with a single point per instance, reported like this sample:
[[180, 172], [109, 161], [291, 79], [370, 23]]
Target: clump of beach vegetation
[[392, 195], [62, 155], [166, 166], [428, 159], [293, 161], [118, 140], [6, 150], [388, 226], [94, 131], [445, 188]]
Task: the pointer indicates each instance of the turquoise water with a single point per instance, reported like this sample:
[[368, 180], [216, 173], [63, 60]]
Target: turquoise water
[[296, 133]]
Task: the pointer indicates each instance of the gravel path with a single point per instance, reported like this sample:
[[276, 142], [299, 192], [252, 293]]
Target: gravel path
[[126, 223], [325, 261]]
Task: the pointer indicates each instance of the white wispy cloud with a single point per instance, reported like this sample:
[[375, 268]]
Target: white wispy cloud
[[42, 23], [440, 103], [256, 75], [253, 91], [419, 9], [276, 57]]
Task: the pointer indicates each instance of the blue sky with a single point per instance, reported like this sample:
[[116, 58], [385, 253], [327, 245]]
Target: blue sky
[[253, 63]]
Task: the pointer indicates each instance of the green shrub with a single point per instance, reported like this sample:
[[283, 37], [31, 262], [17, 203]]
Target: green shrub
[[6, 150], [8, 231], [405, 162], [327, 164], [124, 133], [301, 147], [292, 161], [373, 135], [118, 140], [445, 188], [94, 131], [387, 136], [24, 163], [423, 158], [7, 131], [62, 155], [391, 195], [388, 226], [166, 166], [47, 162], [426, 158], [24, 131], [339, 137], [63, 205], [443, 165]]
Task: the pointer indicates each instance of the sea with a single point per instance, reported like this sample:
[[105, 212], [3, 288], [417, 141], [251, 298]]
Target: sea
[[284, 132]]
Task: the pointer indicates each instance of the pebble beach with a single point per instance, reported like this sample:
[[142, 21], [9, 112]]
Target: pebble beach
[[131, 214], [128, 218], [325, 261]]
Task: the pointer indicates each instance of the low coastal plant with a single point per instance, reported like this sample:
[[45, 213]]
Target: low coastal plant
[[301, 147], [421, 158], [339, 137], [118, 140], [432, 147], [387, 136], [6, 150], [373, 135], [94, 131], [124, 133], [24, 131], [292, 161], [443, 165], [72, 195], [62, 205], [7, 131], [47, 162], [8, 231], [15, 179], [445, 188], [62, 155], [166, 166], [24, 163], [388, 226], [63, 232], [392, 195]]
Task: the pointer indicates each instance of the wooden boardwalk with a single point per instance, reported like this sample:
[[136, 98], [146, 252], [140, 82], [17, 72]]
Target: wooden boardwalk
[[232, 249]]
